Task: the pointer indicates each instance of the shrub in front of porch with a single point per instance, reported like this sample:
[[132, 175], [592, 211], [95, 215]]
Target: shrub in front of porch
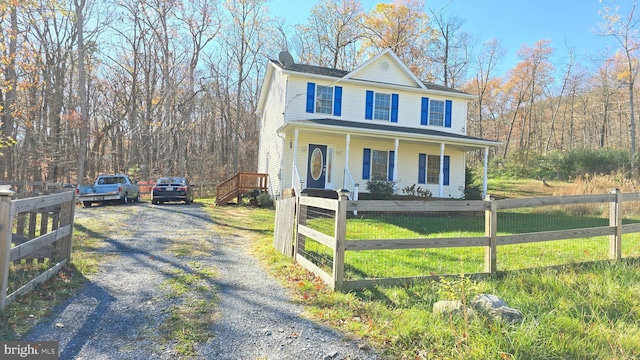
[[380, 188]]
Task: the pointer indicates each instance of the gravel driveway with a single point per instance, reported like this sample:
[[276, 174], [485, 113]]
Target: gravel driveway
[[120, 312]]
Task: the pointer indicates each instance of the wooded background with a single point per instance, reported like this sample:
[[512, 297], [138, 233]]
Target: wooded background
[[157, 87]]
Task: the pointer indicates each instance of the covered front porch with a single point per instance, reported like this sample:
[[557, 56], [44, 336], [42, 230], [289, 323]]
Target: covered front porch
[[333, 154]]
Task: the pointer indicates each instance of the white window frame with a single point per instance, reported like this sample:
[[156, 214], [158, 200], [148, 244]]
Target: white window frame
[[381, 106], [436, 117], [324, 99]]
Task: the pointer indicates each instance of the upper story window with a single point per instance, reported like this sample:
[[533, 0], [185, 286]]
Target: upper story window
[[324, 99], [436, 112], [381, 106]]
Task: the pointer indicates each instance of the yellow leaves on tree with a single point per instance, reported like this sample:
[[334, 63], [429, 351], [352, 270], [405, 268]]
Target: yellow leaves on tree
[[401, 26]]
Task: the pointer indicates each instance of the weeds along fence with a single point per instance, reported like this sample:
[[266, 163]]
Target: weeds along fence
[[391, 242], [35, 240]]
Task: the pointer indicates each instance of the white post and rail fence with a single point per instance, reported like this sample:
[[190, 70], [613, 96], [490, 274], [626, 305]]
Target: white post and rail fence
[[330, 243]]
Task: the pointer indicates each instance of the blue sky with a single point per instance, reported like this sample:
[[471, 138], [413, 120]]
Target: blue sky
[[513, 22]]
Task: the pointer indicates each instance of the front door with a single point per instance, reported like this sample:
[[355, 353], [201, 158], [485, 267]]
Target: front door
[[317, 166]]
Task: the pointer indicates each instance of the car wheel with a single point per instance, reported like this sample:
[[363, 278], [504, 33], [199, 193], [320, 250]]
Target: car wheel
[[137, 199], [86, 203], [125, 198]]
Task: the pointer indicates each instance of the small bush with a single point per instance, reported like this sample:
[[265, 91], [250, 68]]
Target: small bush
[[414, 192], [380, 188], [253, 194], [265, 200], [472, 190]]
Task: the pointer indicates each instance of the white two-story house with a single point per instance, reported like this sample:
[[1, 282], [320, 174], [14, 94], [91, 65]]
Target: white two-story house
[[323, 128]]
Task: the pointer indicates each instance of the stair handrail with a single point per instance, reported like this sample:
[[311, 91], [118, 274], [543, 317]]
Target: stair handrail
[[296, 183], [225, 189], [350, 185]]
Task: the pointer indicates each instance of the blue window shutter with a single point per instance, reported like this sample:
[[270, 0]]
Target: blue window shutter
[[445, 169], [392, 164], [422, 167], [368, 113], [424, 114], [447, 113], [394, 108], [366, 164], [337, 101], [311, 96]]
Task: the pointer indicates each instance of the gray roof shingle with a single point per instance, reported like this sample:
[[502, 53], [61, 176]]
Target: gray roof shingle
[[385, 127]]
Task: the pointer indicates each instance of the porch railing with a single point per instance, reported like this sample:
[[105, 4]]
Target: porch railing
[[350, 185], [238, 185]]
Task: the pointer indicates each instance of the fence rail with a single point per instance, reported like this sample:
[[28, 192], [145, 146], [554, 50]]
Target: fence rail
[[40, 227], [333, 239]]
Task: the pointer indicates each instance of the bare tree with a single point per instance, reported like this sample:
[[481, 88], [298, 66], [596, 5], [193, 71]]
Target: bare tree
[[625, 29], [331, 36], [451, 50]]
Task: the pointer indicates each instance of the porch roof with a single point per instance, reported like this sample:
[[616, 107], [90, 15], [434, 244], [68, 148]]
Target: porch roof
[[374, 129]]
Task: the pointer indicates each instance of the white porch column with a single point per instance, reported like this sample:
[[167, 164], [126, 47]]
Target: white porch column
[[295, 159], [346, 152], [395, 160], [485, 177], [441, 175]]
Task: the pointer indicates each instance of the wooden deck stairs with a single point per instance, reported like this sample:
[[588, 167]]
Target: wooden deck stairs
[[238, 185]]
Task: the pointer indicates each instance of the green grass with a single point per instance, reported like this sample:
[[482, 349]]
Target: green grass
[[442, 261], [573, 311], [189, 321]]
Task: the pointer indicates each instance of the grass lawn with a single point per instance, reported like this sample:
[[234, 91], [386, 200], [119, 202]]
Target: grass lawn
[[468, 260], [573, 311]]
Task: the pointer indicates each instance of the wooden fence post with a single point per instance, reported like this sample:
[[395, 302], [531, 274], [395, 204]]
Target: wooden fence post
[[66, 218], [615, 219], [490, 230], [6, 225], [340, 235]]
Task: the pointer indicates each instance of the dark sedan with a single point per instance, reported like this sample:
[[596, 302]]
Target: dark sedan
[[172, 189]]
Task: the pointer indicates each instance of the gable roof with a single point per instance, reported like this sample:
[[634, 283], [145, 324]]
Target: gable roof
[[399, 63], [343, 74]]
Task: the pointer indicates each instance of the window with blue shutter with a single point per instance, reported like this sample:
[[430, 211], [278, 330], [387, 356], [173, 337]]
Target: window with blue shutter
[[392, 162], [424, 113], [311, 96], [368, 112], [422, 168], [445, 170], [394, 107], [447, 113], [366, 164], [337, 106]]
